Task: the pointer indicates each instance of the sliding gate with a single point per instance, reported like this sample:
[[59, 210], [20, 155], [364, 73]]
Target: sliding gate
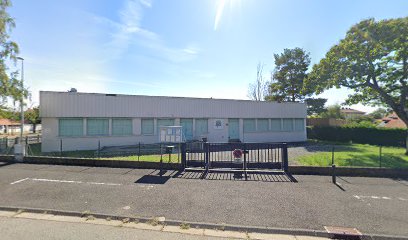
[[234, 156]]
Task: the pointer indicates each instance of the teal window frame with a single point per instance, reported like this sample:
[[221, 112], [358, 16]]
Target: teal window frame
[[201, 126], [287, 124], [276, 125], [262, 125], [249, 125], [122, 127], [299, 124], [147, 126], [95, 130], [70, 127]]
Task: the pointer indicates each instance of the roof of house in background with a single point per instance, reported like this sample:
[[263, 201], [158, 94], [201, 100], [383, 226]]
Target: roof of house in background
[[392, 121], [350, 110], [8, 122]]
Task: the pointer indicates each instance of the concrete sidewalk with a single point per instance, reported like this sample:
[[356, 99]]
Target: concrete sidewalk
[[47, 227], [372, 205]]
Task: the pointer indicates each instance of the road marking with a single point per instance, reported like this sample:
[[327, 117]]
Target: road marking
[[360, 197], [19, 181], [65, 181]]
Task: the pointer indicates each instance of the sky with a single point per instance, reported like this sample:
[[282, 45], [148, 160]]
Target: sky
[[188, 48]]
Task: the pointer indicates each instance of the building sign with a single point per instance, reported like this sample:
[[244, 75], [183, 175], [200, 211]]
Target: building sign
[[218, 124]]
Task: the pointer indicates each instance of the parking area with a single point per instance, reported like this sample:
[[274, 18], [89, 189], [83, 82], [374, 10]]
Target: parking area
[[372, 205]]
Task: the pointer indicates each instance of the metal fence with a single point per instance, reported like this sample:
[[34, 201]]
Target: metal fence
[[7, 143], [234, 156]]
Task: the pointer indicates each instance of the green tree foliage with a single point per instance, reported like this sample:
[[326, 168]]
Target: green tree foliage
[[10, 86], [289, 75], [333, 111], [372, 60], [315, 106], [380, 113], [33, 115]]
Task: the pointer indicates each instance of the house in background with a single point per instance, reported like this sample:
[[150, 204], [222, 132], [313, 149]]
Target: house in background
[[81, 121], [392, 121], [351, 113], [10, 127]]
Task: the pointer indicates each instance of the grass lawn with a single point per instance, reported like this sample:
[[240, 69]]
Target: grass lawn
[[358, 155], [35, 150]]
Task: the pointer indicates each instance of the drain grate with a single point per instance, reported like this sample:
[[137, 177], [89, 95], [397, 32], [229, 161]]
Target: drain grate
[[343, 231]]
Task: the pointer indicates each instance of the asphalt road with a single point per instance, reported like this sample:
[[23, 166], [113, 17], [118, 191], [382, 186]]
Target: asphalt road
[[372, 205]]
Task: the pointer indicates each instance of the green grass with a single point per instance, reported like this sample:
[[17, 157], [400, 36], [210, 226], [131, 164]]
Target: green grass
[[357, 155], [35, 150]]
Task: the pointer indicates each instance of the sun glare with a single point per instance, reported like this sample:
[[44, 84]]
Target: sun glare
[[220, 9]]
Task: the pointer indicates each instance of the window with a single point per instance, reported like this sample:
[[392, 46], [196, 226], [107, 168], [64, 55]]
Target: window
[[299, 124], [249, 125], [97, 126], [71, 127], [276, 124], [147, 126], [122, 127], [263, 125], [164, 122], [288, 124], [201, 126]]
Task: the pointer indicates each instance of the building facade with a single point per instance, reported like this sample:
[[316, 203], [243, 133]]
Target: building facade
[[82, 121]]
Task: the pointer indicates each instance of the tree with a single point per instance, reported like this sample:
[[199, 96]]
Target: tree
[[33, 116], [372, 60], [333, 111], [379, 113], [10, 86], [289, 75], [315, 106], [258, 89]]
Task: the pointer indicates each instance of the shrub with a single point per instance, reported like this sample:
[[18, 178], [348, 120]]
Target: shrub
[[359, 134]]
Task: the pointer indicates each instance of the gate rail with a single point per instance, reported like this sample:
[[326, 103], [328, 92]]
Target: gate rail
[[205, 156]]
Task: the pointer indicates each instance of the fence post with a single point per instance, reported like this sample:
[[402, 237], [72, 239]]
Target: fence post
[[380, 156], [183, 156], [138, 155], [285, 157], [61, 147], [99, 149], [161, 161], [245, 163], [207, 155], [332, 155]]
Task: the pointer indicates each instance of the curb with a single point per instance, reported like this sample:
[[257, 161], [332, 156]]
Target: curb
[[202, 225]]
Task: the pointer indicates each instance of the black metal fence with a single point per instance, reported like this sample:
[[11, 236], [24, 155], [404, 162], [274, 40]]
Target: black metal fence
[[7, 143], [234, 156]]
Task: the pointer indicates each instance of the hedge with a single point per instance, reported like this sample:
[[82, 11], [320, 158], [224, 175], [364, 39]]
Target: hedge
[[364, 135]]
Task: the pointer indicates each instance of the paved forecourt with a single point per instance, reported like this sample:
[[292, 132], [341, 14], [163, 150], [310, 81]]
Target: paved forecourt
[[372, 205]]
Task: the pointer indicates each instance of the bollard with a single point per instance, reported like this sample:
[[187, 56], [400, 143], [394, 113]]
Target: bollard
[[334, 174]]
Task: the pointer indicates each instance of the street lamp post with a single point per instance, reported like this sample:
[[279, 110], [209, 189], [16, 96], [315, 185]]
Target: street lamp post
[[22, 99]]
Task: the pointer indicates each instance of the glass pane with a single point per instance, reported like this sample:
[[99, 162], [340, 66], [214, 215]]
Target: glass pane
[[249, 125], [263, 125], [147, 126], [299, 124], [121, 127], [165, 122], [276, 125], [97, 127], [201, 126], [71, 127], [288, 124]]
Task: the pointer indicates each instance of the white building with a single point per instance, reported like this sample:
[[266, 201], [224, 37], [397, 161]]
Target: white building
[[82, 120]]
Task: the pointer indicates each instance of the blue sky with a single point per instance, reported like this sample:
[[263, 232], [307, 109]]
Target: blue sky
[[200, 48]]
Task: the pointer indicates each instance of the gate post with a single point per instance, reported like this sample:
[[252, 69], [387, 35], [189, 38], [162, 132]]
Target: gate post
[[285, 159], [183, 156]]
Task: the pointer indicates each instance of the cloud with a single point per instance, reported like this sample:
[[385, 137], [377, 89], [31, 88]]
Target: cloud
[[128, 32]]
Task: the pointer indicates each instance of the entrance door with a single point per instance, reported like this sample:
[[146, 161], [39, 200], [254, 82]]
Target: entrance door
[[233, 129], [187, 124]]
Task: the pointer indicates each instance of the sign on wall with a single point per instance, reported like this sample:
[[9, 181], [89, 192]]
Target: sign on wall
[[218, 124]]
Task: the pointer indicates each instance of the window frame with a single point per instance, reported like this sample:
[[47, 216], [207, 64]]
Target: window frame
[[64, 135], [88, 120], [141, 126], [122, 119], [254, 125]]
